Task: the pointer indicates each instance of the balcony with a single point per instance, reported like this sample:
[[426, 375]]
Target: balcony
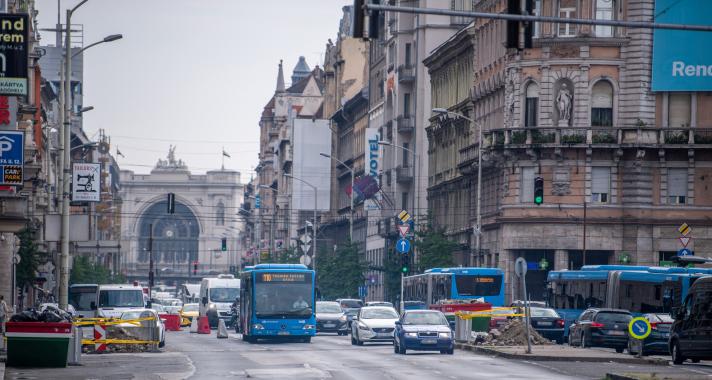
[[404, 174], [603, 137], [406, 73], [406, 123], [468, 156]]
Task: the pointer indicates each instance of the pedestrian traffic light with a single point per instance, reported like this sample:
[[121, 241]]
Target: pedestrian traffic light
[[195, 267], [223, 244], [404, 263], [538, 190], [171, 203]]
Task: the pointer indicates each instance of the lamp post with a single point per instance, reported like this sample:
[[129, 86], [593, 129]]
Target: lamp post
[[314, 227], [351, 207], [478, 227]]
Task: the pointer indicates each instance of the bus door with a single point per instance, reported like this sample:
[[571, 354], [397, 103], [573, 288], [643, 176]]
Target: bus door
[[613, 289]]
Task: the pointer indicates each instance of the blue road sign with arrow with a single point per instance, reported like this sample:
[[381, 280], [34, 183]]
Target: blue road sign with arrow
[[403, 246], [639, 328], [684, 252]]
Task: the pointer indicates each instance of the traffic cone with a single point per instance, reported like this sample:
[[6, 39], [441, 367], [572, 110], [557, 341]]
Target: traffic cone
[[194, 325], [203, 325], [222, 329]]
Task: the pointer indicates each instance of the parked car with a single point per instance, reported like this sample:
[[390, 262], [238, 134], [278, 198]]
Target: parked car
[[691, 332], [520, 303], [601, 328], [331, 318], [379, 303], [145, 313], [350, 307], [548, 323], [657, 341], [423, 330], [373, 324], [187, 313]]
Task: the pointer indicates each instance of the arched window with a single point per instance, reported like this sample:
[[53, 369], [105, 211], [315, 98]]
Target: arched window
[[220, 214], [531, 105], [602, 104]]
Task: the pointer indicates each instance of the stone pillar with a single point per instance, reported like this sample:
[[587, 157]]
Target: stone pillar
[[506, 264], [7, 250], [561, 259]]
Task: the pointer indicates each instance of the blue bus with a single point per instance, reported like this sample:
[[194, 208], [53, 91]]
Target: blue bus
[[277, 301], [455, 284]]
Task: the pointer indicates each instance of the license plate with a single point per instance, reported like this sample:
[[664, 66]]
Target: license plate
[[383, 335], [429, 341], [329, 325], [283, 333], [616, 332], [544, 323]]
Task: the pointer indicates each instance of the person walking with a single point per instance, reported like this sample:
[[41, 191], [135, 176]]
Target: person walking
[[4, 312]]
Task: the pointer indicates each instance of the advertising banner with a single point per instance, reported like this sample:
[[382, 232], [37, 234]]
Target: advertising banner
[[86, 182], [14, 43], [372, 155], [12, 157], [682, 60]]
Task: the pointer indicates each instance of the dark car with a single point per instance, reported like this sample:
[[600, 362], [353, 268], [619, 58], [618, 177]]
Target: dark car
[[330, 318], [601, 328], [350, 307], [691, 332], [548, 323], [657, 341], [423, 330]]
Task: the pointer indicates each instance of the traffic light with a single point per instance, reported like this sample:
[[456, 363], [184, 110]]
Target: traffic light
[[223, 244], [538, 190], [195, 267], [404, 263], [358, 19], [374, 21], [361, 17], [171, 203], [514, 28]]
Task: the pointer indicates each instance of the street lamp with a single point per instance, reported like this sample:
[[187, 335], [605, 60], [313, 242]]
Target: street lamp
[[109, 38], [314, 226], [351, 207], [478, 227]]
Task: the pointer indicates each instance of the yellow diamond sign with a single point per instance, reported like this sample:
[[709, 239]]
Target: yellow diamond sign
[[684, 229]]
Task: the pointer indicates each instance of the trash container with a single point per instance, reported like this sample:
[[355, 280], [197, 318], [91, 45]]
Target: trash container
[[37, 344]]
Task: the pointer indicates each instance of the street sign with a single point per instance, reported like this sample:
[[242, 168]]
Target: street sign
[[12, 157], [305, 239], [86, 182], [16, 259], [520, 267], [639, 328], [304, 260], [258, 202], [685, 241], [684, 252], [404, 216], [684, 229], [403, 246], [404, 229], [305, 247], [14, 47]]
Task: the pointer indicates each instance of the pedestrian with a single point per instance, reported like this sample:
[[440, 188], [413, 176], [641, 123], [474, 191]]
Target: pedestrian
[[4, 311]]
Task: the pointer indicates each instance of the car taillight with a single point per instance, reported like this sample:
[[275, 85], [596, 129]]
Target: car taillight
[[654, 325], [596, 324], [493, 323], [560, 322]]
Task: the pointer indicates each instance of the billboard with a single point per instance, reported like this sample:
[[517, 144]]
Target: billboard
[[682, 60], [372, 156], [311, 137], [13, 53], [12, 157], [86, 182]]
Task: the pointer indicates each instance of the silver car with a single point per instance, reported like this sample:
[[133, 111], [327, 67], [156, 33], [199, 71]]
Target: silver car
[[373, 324]]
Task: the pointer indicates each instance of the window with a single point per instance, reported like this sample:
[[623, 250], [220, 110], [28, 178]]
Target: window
[[531, 105], [406, 105], [388, 178], [537, 12], [602, 104], [405, 154], [677, 186], [600, 184], [567, 9], [604, 11], [404, 201], [407, 54], [220, 214], [679, 110], [527, 185]]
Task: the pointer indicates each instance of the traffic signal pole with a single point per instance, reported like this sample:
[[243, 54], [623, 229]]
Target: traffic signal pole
[[402, 302]]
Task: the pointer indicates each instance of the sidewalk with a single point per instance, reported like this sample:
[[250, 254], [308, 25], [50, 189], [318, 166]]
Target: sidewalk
[[654, 376], [559, 353]]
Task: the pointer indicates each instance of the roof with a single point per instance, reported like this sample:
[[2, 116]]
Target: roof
[[301, 84], [301, 70]]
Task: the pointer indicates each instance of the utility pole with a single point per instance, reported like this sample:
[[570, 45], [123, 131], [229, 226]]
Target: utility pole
[[150, 263]]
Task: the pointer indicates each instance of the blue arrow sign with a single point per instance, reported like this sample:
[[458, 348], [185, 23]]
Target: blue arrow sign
[[403, 246], [684, 252], [639, 328]]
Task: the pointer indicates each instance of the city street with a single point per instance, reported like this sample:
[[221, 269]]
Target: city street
[[205, 357]]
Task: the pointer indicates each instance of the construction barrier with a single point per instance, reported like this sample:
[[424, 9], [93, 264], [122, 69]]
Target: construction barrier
[[148, 333], [37, 344], [171, 321], [494, 312]]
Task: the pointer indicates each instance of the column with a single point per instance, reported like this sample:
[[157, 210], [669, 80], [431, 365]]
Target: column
[[7, 250], [561, 259]]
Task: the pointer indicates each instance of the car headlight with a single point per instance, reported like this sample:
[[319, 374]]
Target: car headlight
[[212, 306], [258, 326], [343, 318], [444, 335], [362, 326], [411, 335], [309, 327]]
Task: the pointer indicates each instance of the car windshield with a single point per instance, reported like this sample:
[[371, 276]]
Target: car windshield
[[328, 308], [82, 297], [378, 314], [613, 317], [424, 319], [660, 318], [120, 298], [542, 312], [190, 307], [351, 304], [224, 294]]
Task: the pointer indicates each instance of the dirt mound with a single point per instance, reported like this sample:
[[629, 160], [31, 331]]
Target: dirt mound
[[514, 333]]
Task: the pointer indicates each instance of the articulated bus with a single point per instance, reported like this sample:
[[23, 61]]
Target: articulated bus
[[277, 301], [455, 284]]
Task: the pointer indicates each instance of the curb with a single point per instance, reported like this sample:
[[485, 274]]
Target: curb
[[506, 355], [615, 376]]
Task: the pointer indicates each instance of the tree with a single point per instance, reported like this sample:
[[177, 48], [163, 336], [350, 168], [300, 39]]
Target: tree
[[434, 248], [86, 272], [340, 274], [26, 270], [289, 255]]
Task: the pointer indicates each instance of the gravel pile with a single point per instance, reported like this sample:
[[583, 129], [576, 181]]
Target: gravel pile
[[513, 333]]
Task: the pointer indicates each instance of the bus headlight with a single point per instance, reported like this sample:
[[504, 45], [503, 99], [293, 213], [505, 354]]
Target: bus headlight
[[445, 335], [258, 326], [309, 327]]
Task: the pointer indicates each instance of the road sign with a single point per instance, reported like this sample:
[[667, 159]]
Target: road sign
[[404, 216], [305, 247], [520, 267], [684, 229], [86, 182], [304, 260], [684, 252], [305, 239], [685, 241], [258, 201], [403, 246], [16, 259], [12, 157], [404, 229], [639, 328]]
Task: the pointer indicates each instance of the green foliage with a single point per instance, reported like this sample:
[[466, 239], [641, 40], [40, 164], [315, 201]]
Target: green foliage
[[391, 274], [29, 259], [288, 256], [519, 137], [676, 138], [573, 139], [86, 272], [603, 138], [700, 139], [340, 274], [543, 138], [434, 249]]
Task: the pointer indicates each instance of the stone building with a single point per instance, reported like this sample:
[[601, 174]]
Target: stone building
[[622, 166]]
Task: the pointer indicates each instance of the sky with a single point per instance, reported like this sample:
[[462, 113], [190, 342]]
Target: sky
[[192, 73]]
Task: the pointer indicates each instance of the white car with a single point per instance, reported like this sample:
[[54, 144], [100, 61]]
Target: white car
[[373, 324], [145, 313]]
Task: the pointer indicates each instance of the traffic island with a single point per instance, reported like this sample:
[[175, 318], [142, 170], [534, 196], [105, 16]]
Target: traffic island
[[558, 353]]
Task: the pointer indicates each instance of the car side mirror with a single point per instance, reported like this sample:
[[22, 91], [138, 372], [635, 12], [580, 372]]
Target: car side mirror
[[92, 305], [205, 300]]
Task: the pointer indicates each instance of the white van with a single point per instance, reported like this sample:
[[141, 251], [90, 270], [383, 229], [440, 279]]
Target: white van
[[113, 300], [216, 297]]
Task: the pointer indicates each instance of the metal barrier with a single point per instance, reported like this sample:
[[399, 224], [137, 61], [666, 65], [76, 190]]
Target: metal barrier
[[146, 332]]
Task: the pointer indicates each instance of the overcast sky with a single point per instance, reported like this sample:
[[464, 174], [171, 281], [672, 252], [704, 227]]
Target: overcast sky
[[193, 73]]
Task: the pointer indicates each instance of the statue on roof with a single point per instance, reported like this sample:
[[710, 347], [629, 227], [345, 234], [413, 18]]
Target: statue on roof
[[171, 162]]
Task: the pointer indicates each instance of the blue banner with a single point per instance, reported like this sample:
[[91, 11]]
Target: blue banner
[[682, 60], [12, 157]]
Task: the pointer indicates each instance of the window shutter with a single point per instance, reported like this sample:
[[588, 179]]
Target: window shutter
[[527, 185], [679, 110], [601, 180], [602, 95], [677, 182]]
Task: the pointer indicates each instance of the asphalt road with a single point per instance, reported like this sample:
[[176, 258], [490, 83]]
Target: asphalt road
[[327, 357]]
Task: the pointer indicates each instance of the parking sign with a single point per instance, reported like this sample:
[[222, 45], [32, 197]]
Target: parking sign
[[12, 157]]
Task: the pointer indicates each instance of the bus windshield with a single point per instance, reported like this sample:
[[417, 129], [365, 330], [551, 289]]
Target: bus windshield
[[478, 285], [82, 297], [279, 294], [121, 298]]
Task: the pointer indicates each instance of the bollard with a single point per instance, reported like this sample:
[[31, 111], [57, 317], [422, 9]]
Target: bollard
[[222, 329], [74, 353], [194, 325], [203, 325]]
